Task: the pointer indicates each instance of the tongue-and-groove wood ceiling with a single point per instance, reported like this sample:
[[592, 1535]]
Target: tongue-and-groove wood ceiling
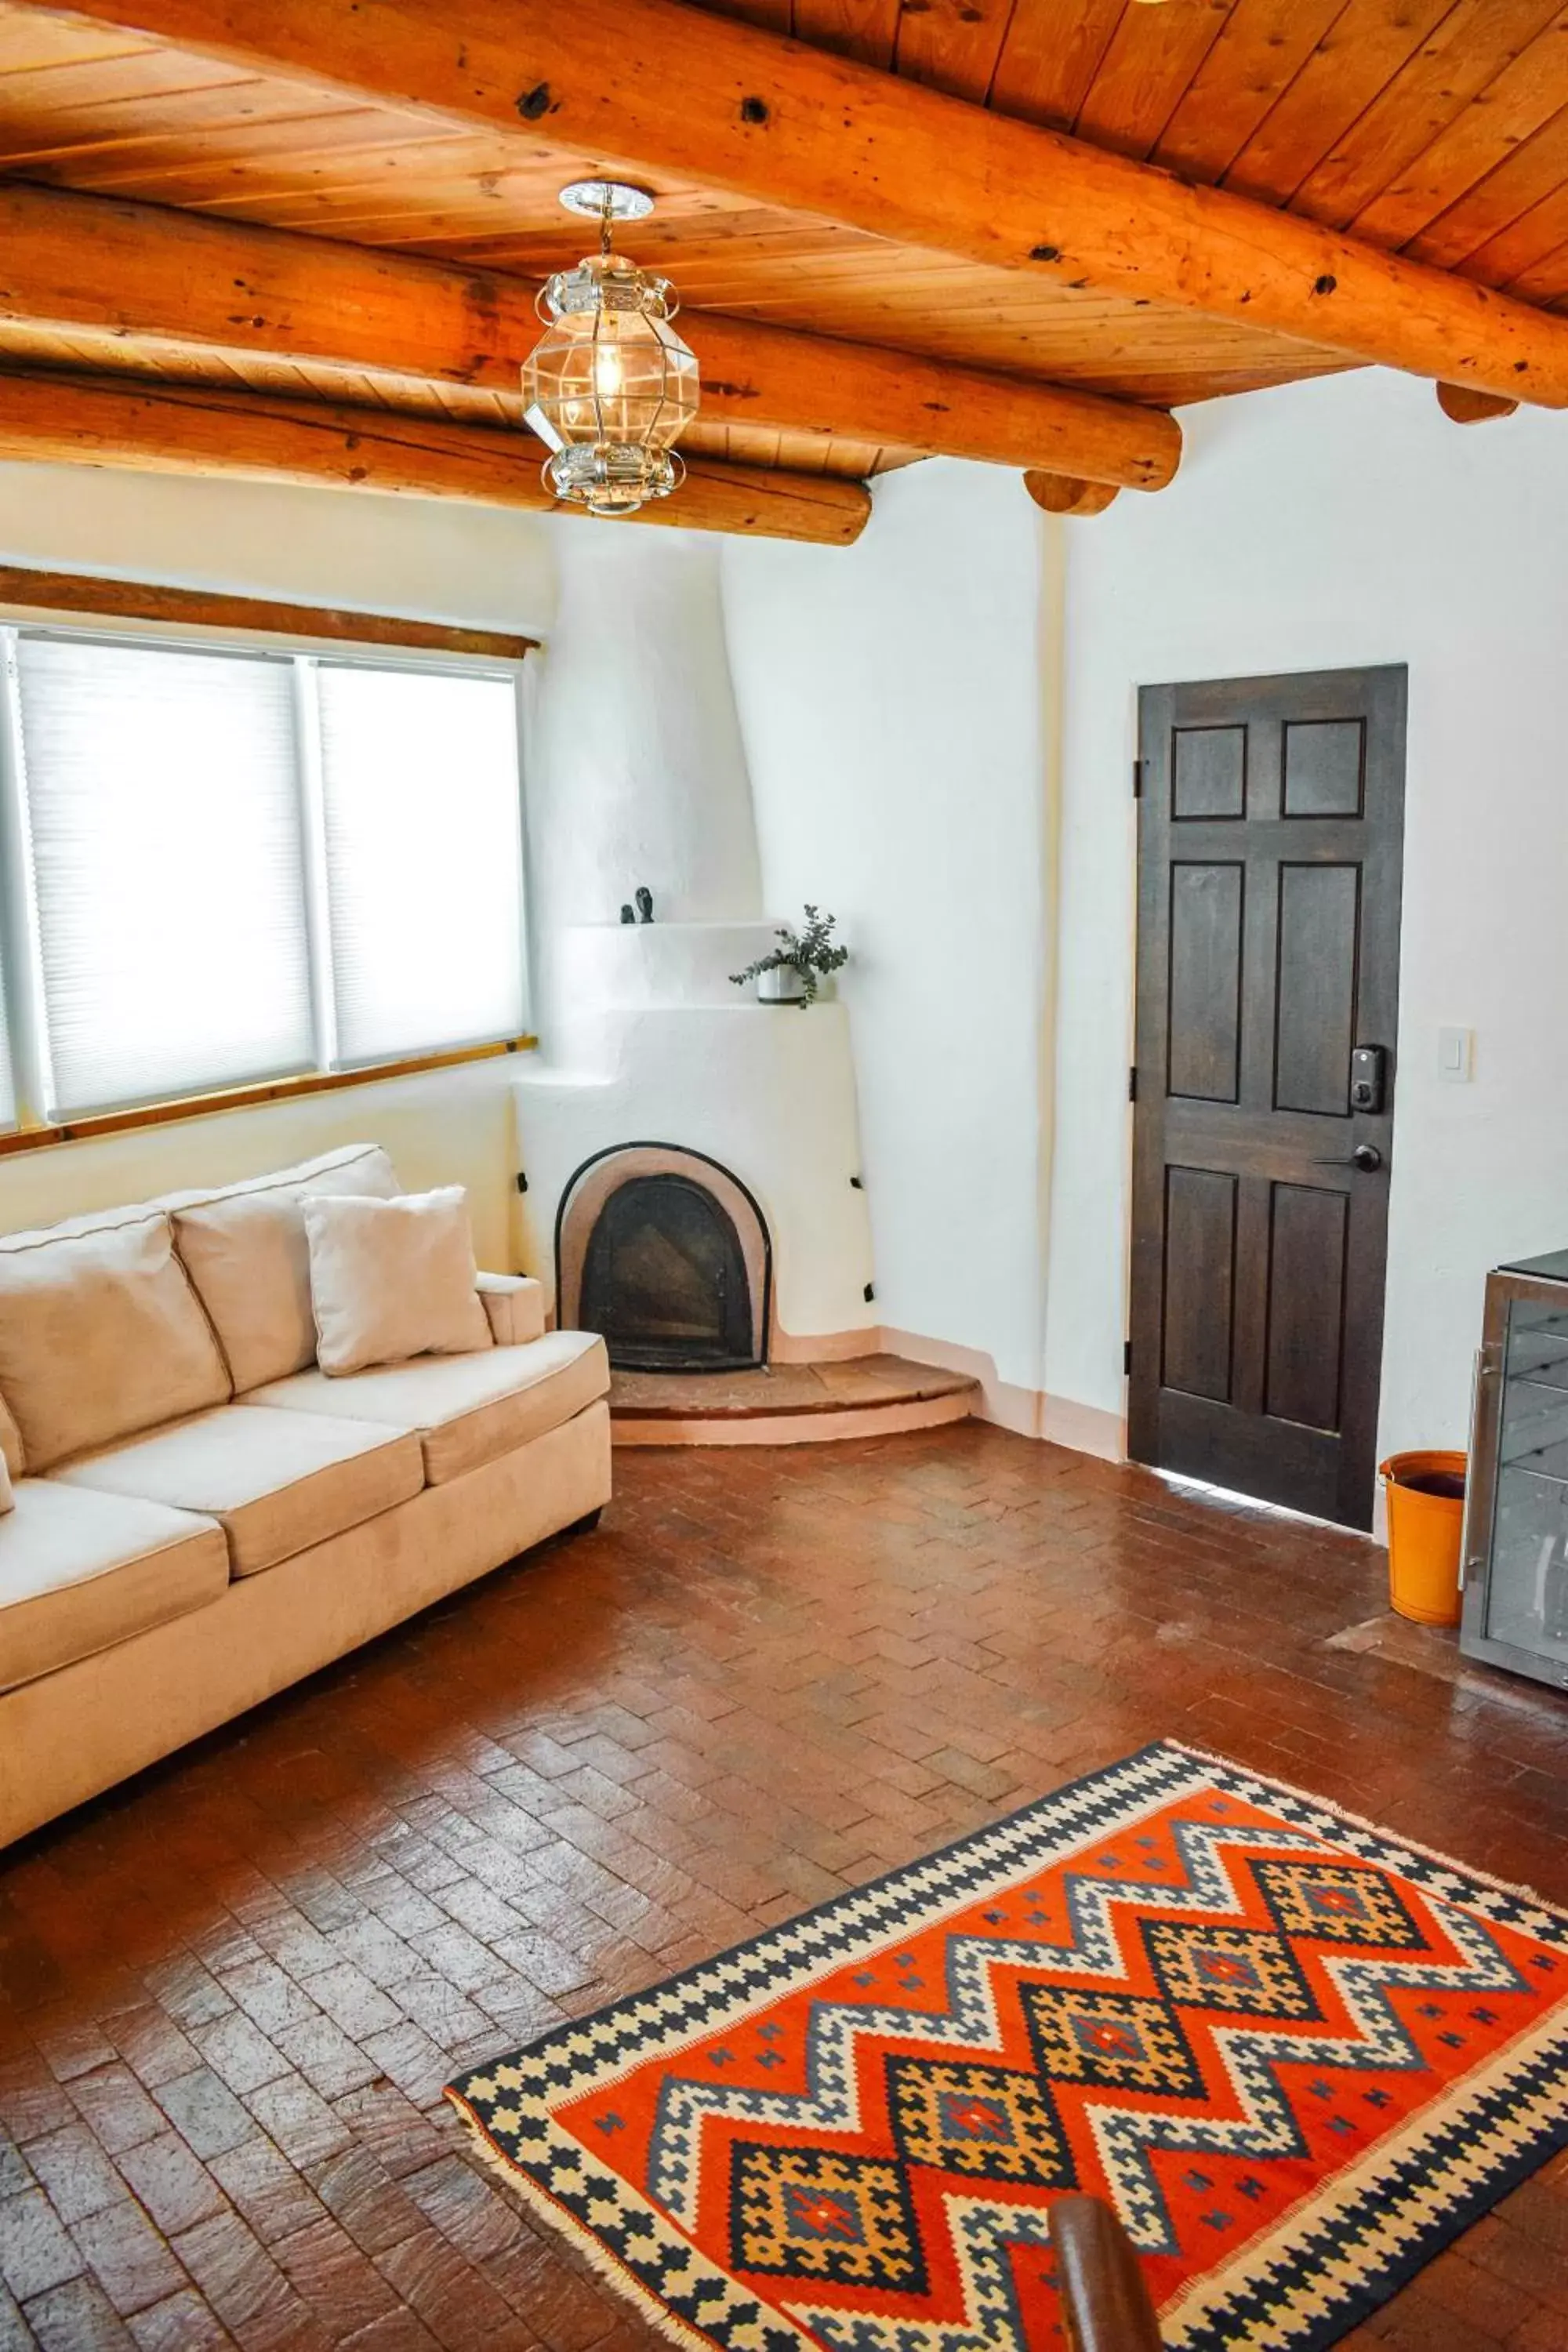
[[1437, 129]]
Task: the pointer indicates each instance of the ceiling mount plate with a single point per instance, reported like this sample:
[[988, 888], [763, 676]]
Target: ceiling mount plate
[[593, 198]]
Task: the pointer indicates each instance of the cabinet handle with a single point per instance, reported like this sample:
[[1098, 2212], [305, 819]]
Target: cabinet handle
[[1484, 1371]]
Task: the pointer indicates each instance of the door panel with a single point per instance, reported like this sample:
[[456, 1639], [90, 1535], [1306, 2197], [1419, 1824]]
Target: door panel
[[1306, 1298], [1270, 852], [1200, 1261], [1205, 981], [1314, 1006], [1208, 772], [1324, 767]]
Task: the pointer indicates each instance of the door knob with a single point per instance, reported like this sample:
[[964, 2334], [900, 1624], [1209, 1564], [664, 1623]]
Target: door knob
[[1366, 1157]]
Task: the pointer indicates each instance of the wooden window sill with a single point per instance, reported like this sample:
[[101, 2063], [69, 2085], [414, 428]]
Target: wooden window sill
[[271, 1090]]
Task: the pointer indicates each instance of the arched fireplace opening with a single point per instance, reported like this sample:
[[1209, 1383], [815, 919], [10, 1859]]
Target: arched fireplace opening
[[667, 1254]]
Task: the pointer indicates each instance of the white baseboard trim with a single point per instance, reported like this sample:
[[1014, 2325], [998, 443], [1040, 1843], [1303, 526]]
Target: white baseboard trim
[[1027, 1412], [1085, 1428]]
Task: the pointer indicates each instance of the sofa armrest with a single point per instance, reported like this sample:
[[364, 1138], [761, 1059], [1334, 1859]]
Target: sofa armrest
[[515, 1305]]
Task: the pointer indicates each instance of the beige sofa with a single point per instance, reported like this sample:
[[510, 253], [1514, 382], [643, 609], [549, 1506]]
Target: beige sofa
[[202, 1516]]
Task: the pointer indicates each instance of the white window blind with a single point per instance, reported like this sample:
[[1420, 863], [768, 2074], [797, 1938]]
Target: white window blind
[[8, 1066], [424, 858], [168, 868]]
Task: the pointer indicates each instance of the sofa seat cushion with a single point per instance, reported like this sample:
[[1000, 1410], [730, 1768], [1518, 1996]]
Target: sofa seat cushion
[[79, 1571], [276, 1482], [467, 1409]]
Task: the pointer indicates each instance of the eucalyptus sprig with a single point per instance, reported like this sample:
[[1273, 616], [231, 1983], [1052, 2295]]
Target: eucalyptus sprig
[[810, 951]]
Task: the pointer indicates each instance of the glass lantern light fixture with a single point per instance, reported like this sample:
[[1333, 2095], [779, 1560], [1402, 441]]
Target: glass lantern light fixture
[[610, 386]]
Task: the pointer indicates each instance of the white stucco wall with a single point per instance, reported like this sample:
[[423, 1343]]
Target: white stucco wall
[[896, 714], [893, 700], [635, 772], [428, 559], [1342, 523], [637, 768]]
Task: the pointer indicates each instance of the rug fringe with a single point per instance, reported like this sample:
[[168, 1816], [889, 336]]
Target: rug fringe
[[570, 2231], [1380, 1829]]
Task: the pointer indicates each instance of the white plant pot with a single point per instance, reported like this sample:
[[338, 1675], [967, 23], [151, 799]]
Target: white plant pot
[[783, 985]]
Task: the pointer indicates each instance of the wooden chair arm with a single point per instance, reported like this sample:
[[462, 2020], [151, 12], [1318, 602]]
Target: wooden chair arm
[[1105, 2304]]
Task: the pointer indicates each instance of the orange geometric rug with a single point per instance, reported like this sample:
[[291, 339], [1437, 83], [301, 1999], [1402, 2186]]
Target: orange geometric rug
[[1297, 2054]]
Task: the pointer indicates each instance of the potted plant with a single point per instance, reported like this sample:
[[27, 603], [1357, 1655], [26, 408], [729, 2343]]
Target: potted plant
[[792, 972]]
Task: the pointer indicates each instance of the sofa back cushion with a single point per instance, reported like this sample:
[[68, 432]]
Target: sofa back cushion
[[11, 1452], [244, 1250], [101, 1335]]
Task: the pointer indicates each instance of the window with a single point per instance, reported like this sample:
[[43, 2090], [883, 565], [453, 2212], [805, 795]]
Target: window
[[426, 937], [7, 1090], [226, 866]]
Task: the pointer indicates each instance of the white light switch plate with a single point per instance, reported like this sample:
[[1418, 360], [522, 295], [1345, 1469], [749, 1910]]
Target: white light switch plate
[[1456, 1055]]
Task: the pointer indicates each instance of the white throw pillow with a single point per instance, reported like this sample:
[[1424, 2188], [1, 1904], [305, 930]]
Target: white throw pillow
[[390, 1279]]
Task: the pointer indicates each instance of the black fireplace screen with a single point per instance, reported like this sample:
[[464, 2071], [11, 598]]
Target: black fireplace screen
[[665, 1279]]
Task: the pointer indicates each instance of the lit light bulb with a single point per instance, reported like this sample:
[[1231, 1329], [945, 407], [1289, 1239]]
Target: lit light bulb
[[609, 376]]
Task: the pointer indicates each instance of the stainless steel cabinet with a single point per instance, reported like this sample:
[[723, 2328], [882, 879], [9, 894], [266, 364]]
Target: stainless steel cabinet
[[1515, 1558]]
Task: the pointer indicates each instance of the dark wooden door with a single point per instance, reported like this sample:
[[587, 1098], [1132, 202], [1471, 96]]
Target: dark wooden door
[[1270, 833]]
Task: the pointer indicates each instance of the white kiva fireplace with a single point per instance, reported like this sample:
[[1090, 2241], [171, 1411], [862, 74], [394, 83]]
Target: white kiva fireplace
[[691, 1156]]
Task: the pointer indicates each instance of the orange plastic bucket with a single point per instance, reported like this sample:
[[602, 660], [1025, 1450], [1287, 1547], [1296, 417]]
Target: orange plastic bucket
[[1426, 1525]]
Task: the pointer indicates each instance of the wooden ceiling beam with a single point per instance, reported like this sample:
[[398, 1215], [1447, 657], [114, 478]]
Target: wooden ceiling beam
[[182, 429], [667, 89], [1064, 494], [1464, 405], [153, 274]]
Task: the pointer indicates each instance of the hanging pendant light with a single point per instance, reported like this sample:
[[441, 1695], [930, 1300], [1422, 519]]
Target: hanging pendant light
[[610, 387]]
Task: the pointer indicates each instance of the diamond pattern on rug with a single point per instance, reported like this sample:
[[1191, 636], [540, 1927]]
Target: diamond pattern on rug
[[1114, 2039], [1297, 2056], [981, 2123], [1243, 1969], [1341, 1905], [813, 2214]]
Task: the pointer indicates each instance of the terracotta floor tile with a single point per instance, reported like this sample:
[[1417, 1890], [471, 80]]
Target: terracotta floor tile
[[37, 2251], [769, 1675]]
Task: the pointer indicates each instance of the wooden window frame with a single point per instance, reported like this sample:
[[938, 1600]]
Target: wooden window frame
[[268, 1090], [25, 593], [168, 613]]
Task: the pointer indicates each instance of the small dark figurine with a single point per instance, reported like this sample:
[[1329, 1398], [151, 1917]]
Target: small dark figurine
[[645, 903], [627, 916]]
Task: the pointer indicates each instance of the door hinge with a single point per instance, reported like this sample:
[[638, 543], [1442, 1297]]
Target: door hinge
[[1127, 1356], [521, 1182], [1133, 1083], [1137, 780]]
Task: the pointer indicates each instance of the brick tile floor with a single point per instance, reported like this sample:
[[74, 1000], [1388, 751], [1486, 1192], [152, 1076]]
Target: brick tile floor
[[229, 1995]]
